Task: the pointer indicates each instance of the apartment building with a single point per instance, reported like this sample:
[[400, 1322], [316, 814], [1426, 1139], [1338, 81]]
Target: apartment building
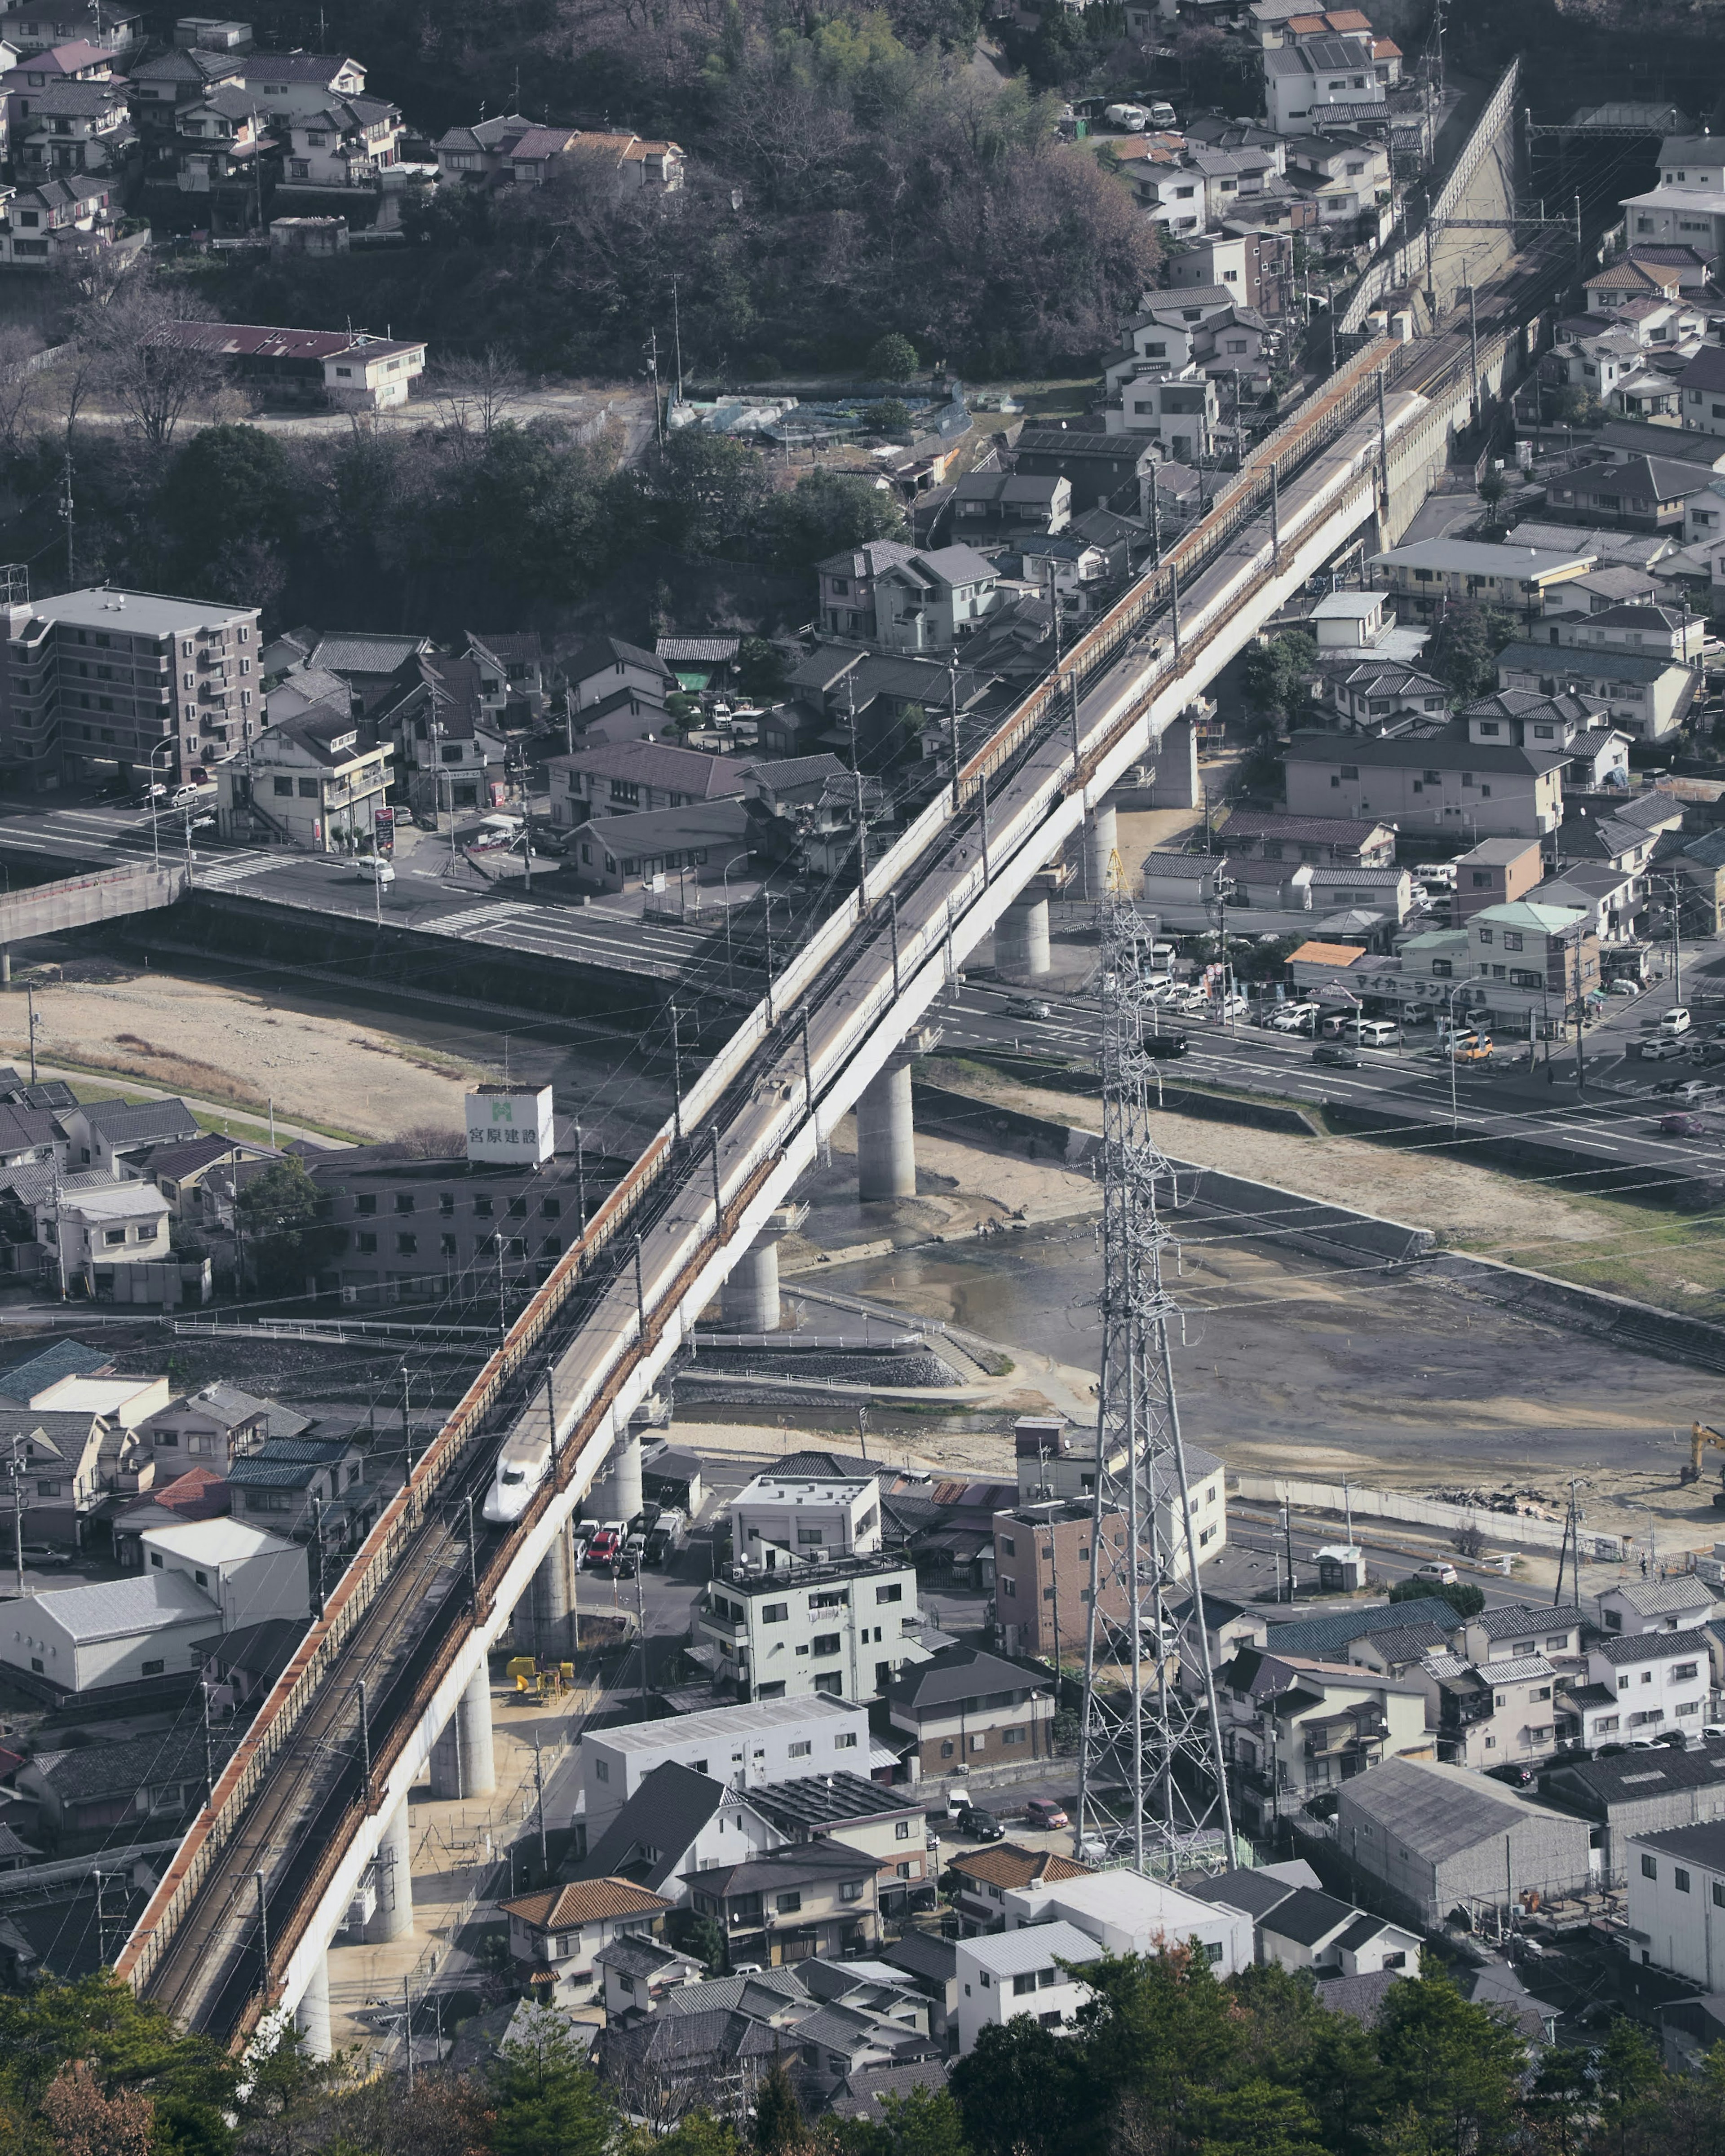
[[1676, 1902], [845, 1626], [316, 783], [1442, 780], [125, 681]]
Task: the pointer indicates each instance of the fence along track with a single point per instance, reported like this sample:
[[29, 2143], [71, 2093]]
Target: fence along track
[[396, 1531]]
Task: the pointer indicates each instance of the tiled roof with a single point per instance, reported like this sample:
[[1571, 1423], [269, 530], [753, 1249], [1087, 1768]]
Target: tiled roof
[[587, 1901], [125, 1122], [1007, 1864], [1307, 1917], [697, 650], [601, 653], [345, 651], [1650, 1647], [1661, 1597], [92, 1772]]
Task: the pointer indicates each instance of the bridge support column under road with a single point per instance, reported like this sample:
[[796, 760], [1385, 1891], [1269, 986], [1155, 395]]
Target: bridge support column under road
[[1021, 937], [393, 1875], [462, 1761], [311, 2016]]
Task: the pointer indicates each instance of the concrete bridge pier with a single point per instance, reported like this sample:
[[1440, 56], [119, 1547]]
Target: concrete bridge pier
[[311, 2016], [1101, 835], [886, 1136], [617, 1495], [462, 1762], [1021, 937], [552, 1603], [748, 1301], [393, 1875], [5, 968]]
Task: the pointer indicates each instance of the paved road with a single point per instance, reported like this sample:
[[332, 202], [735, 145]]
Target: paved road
[[1611, 1125], [428, 894]]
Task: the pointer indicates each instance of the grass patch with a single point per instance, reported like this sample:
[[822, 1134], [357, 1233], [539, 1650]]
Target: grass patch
[[1674, 1260]]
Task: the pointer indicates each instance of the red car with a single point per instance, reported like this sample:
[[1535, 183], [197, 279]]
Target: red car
[[1682, 1126], [1044, 1812], [602, 1549]]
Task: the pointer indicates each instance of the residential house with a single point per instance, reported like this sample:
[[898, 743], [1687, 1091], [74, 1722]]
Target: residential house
[[1639, 1793], [1634, 1606], [1295, 1727], [1344, 176], [414, 1225], [1496, 872], [30, 28], [628, 715], [1052, 1463], [1662, 1679], [1686, 207], [59, 223], [1549, 960], [780, 1520], [888, 1823], [298, 85], [345, 144], [112, 1640], [251, 1575], [1178, 411], [199, 1494], [108, 1135], [1311, 86], [1356, 625], [634, 1971], [221, 155], [1254, 834], [845, 1625], [964, 1706], [444, 740], [785, 1905], [657, 849], [1073, 569], [1646, 493], [163, 84], [1700, 387], [68, 128], [1311, 1930], [980, 1881], [769, 1741], [1027, 1972], [1700, 863], [995, 502], [182, 1170], [1676, 1878], [316, 783], [1660, 632], [623, 778], [1495, 1714], [70, 1456], [929, 1966], [1644, 696], [932, 600], [1613, 898], [1442, 780], [557, 1935], [606, 664], [98, 1232], [1599, 754], [1105, 471], [1432, 574], [304, 1487], [1126, 1912], [514, 679], [1369, 692], [123, 681], [1431, 1839], [96, 1794], [342, 370]]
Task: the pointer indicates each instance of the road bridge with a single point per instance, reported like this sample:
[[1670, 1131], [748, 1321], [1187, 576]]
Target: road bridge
[[392, 1679], [47, 908]]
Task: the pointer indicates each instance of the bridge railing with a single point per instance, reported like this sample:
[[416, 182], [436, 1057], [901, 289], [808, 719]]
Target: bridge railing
[[1321, 417]]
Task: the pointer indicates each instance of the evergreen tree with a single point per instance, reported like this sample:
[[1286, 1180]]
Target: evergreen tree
[[548, 2100], [780, 2127]]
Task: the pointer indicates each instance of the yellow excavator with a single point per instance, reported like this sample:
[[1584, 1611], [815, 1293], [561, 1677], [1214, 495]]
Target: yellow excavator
[[1702, 1434]]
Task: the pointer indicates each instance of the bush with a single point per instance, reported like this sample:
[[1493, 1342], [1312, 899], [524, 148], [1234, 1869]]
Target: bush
[[1465, 1599], [891, 359], [890, 416]]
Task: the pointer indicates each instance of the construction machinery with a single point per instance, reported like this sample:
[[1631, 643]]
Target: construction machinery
[[1701, 1435]]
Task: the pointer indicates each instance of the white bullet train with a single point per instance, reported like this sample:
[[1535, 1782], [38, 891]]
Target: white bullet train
[[521, 1467]]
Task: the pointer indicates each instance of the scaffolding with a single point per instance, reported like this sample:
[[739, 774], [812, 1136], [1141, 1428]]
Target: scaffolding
[[1151, 1786]]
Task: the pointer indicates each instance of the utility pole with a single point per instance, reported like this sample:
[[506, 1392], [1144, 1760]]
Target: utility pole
[[30, 1005], [407, 1425], [1151, 1781], [1287, 1536], [677, 335], [15, 1470], [539, 1794], [365, 1741], [953, 733], [862, 1430], [862, 829], [66, 517], [317, 1538], [676, 1078], [209, 1748], [263, 1939], [581, 1181], [1473, 356], [652, 369]]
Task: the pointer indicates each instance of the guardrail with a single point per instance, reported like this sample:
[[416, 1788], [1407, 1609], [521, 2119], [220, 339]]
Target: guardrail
[[400, 1526]]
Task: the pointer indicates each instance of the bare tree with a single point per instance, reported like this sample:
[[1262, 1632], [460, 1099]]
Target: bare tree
[[473, 395], [21, 387], [151, 354]]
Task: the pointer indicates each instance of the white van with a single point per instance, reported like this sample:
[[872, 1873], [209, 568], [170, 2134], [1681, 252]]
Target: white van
[[1133, 118], [372, 868], [1373, 1032]]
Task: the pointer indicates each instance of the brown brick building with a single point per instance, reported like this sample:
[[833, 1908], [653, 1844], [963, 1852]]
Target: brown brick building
[[1042, 1568]]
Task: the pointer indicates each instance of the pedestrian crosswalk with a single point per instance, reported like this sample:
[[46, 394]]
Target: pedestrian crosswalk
[[232, 868], [490, 915]]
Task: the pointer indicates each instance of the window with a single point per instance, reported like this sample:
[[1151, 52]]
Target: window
[[901, 1830], [1350, 771], [1649, 1869], [801, 1751], [404, 1202], [152, 1669], [367, 1202], [851, 1891], [1009, 1589], [283, 786], [365, 1244], [448, 1245], [788, 1904], [1684, 1672], [407, 1245], [1013, 1736], [806, 1535], [1679, 1879], [1511, 939], [1023, 1985], [847, 1743], [896, 1592], [827, 1643], [775, 1613]]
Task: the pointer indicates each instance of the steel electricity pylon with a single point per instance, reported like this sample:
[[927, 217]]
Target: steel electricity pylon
[[1152, 1783]]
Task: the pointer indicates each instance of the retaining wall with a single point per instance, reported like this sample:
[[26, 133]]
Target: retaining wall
[[1419, 1511]]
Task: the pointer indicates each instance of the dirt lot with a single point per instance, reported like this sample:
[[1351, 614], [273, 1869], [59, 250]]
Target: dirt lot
[[230, 1044]]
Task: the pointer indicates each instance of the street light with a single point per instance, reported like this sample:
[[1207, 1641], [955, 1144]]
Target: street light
[[725, 888], [767, 898], [1459, 988], [154, 803]]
